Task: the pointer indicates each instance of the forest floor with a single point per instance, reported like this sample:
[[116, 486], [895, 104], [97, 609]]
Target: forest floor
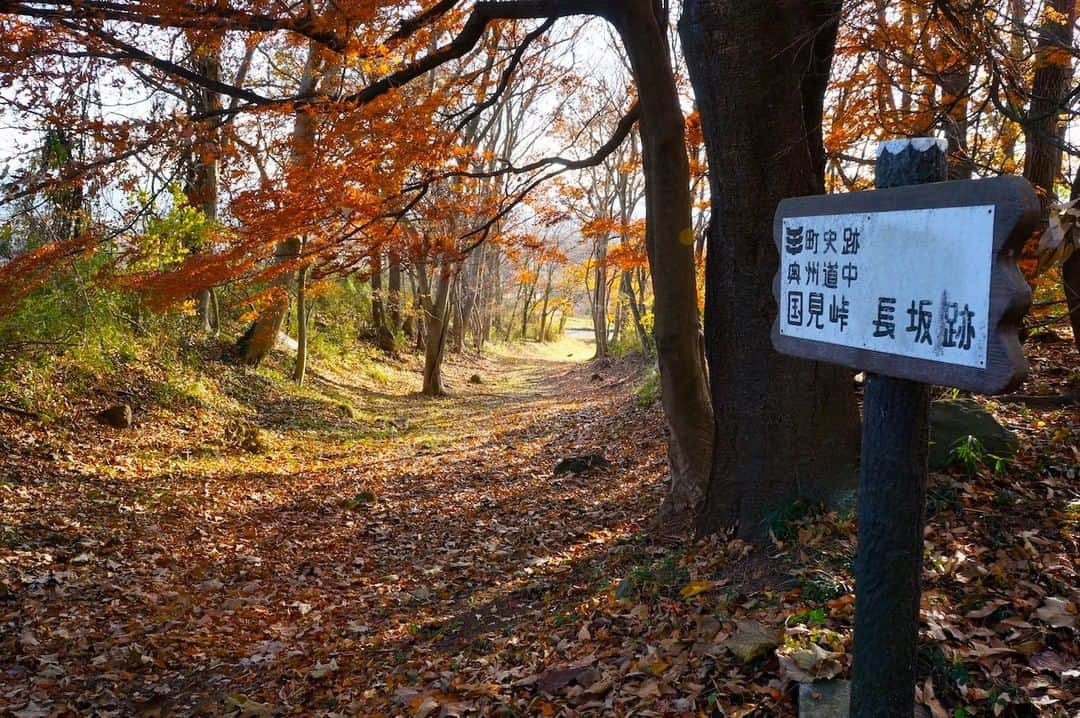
[[352, 548]]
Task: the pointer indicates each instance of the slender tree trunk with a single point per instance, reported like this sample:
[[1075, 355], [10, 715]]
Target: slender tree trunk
[[202, 189], [669, 241], [542, 337], [437, 312], [955, 90], [461, 291], [261, 336], [600, 299], [384, 338], [492, 295], [420, 291], [215, 307], [626, 286], [300, 367], [393, 299], [785, 428], [530, 295]]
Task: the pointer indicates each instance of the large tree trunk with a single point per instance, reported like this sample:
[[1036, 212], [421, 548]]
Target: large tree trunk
[[1044, 128], [669, 243], [785, 428]]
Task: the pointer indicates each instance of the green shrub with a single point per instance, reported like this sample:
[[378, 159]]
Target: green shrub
[[647, 391]]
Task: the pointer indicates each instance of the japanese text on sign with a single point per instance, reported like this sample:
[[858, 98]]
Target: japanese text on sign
[[860, 280]]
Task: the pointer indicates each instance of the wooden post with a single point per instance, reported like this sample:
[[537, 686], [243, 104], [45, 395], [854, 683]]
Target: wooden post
[[892, 493]]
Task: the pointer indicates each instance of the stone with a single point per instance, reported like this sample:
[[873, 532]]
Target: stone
[[118, 417], [824, 699], [581, 464], [953, 420], [476, 379]]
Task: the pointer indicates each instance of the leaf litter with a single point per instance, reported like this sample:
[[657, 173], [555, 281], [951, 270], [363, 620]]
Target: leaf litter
[[444, 571]]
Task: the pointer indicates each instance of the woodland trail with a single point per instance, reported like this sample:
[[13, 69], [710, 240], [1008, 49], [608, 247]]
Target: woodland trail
[[335, 575]]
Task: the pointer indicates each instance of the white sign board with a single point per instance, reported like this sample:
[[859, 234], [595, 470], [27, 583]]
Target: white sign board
[[917, 282], [912, 283]]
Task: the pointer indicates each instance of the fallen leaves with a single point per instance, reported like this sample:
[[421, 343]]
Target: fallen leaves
[[751, 640], [477, 582], [1057, 612]]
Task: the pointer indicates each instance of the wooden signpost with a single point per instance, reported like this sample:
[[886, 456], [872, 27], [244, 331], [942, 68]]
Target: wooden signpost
[[915, 283]]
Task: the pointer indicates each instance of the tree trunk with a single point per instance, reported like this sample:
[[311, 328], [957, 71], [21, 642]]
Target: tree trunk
[[384, 339], [393, 299], [956, 89], [300, 367], [1070, 276], [669, 243], [530, 295], [202, 185], [437, 312], [599, 299], [462, 291], [260, 338], [1043, 126], [1044, 129], [626, 286], [785, 428], [542, 337]]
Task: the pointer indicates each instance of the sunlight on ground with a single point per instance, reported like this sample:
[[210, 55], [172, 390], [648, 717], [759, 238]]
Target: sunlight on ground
[[575, 345]]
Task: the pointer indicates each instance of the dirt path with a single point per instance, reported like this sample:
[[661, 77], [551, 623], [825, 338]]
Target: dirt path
[[401, 559]]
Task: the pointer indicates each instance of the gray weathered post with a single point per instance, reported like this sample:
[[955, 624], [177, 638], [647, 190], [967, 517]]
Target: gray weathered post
[[892, 492]]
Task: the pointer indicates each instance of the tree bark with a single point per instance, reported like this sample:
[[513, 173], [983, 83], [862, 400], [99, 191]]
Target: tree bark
[[384, 339], [437, 312], [202, 184], [259, 340], [393, 299], [1070, 276], [599, 298], [1044, 129], [785, 428], [626, 286], [300, 367], [669, 243], [1043, 126], [261, 336]]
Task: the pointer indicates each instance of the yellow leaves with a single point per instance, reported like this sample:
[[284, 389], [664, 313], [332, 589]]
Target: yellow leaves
[[694, 588], [1052, 16]]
